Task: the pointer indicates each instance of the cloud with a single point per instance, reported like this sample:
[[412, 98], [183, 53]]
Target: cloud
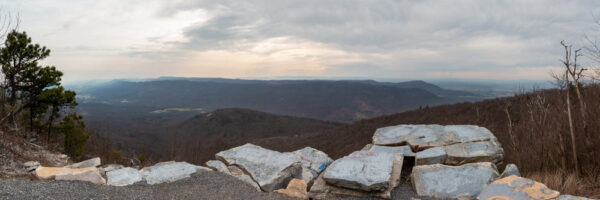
[[386, 38]]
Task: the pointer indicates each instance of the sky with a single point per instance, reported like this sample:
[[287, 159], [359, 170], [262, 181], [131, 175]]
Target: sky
[[402, 39]]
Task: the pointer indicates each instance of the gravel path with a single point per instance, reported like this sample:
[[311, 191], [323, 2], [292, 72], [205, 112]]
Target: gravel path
[[205, 185]]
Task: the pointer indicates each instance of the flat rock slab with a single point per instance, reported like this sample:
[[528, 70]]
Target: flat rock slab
[[404, 150], [94, 162], [123, 177], [514, 187], [92, 176], [270, 169], [239, 174], [50, 172], [421, 137], [217, 165], [470, 152], [321, 190], [169, 172], [313, 158], [435, 155], [451, 182], [363, 170]]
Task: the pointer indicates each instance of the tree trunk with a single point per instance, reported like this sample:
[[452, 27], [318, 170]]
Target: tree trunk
[[573, 142]]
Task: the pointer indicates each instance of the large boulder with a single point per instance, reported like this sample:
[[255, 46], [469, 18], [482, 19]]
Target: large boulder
[[240, 175], [270, 169], [404, 150], [435, 155], [217, 165], [470, 152], [123, 177], [514, 187], [363, 170], [421, 137], [451, 182], [321, 190], [169, 172], [314, 159], [51, 172], [92, 176], [94, 162], [296, 188]]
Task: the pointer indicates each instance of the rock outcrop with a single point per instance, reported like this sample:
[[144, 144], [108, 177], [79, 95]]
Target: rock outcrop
[[169, 172], [123, 177], [296, 188], [363, 170], [435, 155], [92, 176], [217, 165], [514, 187], [451, 182], [51, 172], [239, 174], [270, 169]]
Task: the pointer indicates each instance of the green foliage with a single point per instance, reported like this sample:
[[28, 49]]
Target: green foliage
[[75, 136], [117, 156], [142, 157]]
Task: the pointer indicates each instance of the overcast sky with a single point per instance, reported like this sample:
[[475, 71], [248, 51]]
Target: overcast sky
[[483, 39]]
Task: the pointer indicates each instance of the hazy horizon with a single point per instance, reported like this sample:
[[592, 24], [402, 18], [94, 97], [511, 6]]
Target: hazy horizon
[[382, 40]]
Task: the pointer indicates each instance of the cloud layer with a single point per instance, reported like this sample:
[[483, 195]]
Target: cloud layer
[[260, 38]]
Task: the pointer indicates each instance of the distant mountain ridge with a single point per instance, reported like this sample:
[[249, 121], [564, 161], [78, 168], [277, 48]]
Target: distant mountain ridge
[[341, 101]]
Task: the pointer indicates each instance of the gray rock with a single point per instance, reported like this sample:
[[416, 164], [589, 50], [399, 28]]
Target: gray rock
[[451, 182], [92, 176], [270, 169], [308, 175], [169, 172], [404, 150], [321, 190], [313, 158], [510, 169], [435, 155], [123, 177], [363, 170], [470, 152], [571, 197], [421, 137], [239, 174], [94, 162], [217, 166], [109, 167], [31, 165]]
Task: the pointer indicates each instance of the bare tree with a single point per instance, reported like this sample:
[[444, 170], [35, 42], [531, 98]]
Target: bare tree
[[571, 71]]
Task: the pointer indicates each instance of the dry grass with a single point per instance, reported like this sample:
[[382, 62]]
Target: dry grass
[[569, 183]]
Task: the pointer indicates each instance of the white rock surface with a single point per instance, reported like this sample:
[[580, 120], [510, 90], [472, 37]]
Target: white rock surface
[[363, 170], [31, 165], [217, 165], [313, 158], [470, 152], [421, 137], [452, 182], [109, 167], [92, 176], [123, 177], [270, 169], [169, 172], [435, 155], [404, 150], [94, 162]]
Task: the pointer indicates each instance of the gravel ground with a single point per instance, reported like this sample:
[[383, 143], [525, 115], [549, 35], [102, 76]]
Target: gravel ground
[[205, 185]]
